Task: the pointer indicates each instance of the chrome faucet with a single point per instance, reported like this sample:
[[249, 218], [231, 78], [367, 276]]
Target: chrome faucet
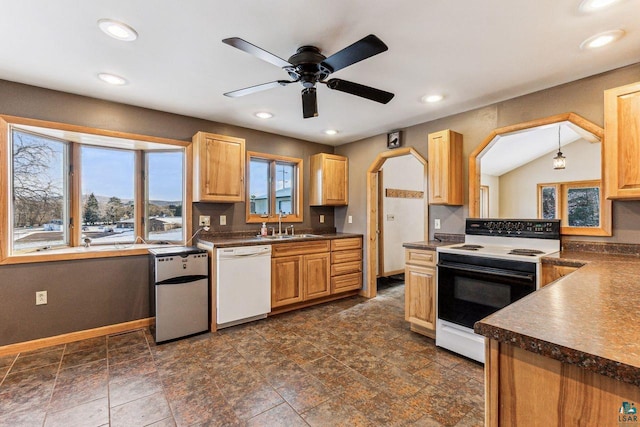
[[280, 216]]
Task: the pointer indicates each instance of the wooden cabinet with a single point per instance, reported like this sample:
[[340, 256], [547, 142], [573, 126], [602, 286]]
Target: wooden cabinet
[[552, 272], [622, 142], [329, 180], [445, 168], [420, 291], [219, 164], [523, 388], [299, 272], [346, 264]]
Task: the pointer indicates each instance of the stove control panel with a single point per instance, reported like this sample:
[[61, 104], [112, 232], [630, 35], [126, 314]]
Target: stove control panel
[[531, 228]]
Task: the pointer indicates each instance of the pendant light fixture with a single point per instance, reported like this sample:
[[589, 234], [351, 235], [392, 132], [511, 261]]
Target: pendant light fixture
[[559, 161]]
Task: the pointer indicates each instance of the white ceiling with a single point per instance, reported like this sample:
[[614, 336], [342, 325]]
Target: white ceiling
[[473, 52], [529, 144]]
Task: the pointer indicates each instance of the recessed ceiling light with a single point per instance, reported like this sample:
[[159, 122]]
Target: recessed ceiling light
[[432, 98], [593, 5], [117, 30], [331, 132], [601, 39], [112, 79], [263, 115]]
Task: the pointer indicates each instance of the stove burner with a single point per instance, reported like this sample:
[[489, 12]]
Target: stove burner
[[525, 252], [469, 247]]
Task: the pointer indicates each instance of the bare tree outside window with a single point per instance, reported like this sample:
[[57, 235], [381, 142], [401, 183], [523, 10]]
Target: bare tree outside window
[[38, 190]]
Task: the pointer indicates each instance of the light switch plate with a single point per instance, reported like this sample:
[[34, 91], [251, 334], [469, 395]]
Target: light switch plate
[[223, 220], [350, 219], [321, 219], [436, 224]]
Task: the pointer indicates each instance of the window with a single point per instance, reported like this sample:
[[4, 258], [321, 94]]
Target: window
[[107, 179], [40, 197], [165, 192], [274, 185], [69, 188], [578, 204]]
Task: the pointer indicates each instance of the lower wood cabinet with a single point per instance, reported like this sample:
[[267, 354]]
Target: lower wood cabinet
[[310, 270], [552, 272], [420, 291]]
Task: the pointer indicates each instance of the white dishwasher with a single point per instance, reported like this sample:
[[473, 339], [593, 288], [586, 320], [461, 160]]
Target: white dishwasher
[[243, 280]]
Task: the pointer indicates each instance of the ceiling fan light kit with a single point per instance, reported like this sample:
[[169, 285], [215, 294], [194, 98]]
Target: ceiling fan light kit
[[308, 66]]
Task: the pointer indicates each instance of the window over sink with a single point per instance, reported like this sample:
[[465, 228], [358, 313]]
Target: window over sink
[[274, 186]]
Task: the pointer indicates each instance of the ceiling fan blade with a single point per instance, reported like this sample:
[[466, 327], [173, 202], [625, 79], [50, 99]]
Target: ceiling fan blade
[[256, 88], [357, 89], [360, 50], [309, 103], [254, 50]]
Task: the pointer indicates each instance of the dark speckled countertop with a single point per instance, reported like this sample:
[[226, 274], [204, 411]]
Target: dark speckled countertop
[[226, 242], [589, 318]]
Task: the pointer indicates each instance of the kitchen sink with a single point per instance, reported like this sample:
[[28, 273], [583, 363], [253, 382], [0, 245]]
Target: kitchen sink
[[289, 236]]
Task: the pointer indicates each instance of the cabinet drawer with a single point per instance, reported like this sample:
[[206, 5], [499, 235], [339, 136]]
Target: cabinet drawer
[[344, 244], [420, 257], [300, 248], [346, 267], [347, 282], [346, 256]]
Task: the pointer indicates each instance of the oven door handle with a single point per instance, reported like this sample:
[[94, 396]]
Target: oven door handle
[[489, 270]]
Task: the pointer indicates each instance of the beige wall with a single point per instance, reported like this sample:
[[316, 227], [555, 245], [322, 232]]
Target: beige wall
[[519, 187], [584, 97]]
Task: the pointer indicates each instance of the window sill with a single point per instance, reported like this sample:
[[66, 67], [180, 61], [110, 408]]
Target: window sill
[[79, 253]]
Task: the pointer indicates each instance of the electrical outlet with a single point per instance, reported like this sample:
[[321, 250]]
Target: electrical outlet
[[321, 219], [436, 224], [205, 221], [41, 297], [350, 219], [223, 220]]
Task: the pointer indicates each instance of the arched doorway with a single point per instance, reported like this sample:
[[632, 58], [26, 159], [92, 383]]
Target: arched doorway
[[372, 212]]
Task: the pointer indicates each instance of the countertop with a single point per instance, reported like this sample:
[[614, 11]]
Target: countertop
[[226, 242], [427, 245], [589, 318]]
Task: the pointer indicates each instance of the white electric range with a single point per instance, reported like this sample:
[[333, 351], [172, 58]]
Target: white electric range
[[499, 263]]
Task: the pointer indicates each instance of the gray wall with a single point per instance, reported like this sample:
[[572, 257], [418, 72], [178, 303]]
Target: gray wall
[[584, 97], [92, 293]]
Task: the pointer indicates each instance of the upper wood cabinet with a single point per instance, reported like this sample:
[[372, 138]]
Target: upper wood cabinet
[[219, 165], [329, 180], [445, 168], [622, 142]]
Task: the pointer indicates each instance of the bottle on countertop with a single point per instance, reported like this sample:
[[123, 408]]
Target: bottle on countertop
[[263, 229]]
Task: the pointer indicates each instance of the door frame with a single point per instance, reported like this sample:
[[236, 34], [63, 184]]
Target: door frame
[[372, 212]]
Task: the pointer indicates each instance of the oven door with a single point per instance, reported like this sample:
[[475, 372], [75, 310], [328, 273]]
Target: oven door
[[473, 287]]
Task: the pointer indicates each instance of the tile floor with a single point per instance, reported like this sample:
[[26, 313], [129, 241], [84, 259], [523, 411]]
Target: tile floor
[[348, 363]]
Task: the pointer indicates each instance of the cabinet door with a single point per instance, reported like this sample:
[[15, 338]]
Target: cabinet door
[[329, 180], [219, 167], [420, 296], [622, 142], [286, 280], [335, 180], [316, 281], [445, 168], [551, 273]]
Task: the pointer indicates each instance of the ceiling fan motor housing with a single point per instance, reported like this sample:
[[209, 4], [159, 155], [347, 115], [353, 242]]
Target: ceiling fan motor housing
[[307, 66]]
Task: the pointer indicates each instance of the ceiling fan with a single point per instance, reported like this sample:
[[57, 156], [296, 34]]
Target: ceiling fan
[[309, 67]]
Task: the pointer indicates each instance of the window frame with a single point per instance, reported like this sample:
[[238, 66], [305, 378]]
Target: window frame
[[99, 137], [562, 190], [272, 216]]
